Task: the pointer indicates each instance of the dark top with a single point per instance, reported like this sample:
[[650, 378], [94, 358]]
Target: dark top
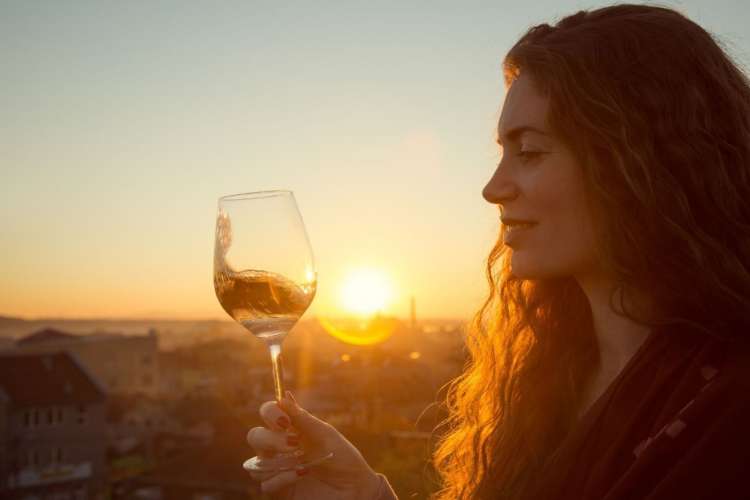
[[674, 424]]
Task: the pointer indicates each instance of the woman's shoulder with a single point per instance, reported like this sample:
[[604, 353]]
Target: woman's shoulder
[[723, 366], [726, 401], [731, 371], [715, 415], [701, 448], [706, 360]]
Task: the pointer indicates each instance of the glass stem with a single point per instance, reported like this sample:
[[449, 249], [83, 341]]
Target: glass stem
[[278, 373]]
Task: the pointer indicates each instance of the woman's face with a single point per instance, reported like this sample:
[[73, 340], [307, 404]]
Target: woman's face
[[539, 179]]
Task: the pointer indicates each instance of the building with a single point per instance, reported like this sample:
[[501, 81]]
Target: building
[[52, 429], [205, 472], [123, 364]]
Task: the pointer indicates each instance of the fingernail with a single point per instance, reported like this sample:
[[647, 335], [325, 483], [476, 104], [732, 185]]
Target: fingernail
[[291, 397], [302, 471], [292, 441], [289, 404], [283, 422]]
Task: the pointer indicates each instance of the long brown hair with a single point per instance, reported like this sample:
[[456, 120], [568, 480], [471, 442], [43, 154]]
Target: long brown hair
[[659, 119]]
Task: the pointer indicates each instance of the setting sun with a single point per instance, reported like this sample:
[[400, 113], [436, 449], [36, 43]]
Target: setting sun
[[366, 291]]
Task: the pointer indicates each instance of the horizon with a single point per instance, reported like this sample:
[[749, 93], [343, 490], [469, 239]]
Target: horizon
[[227, 319], [306, 317]]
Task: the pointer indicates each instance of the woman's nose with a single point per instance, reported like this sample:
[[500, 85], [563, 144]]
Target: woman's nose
[[499, 189]]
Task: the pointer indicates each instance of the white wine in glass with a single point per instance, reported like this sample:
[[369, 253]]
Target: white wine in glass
[[266, 303], [264, 274]]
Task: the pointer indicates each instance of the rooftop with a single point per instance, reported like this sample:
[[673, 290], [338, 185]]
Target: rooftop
[[47, 379], [58, 338], [45, 335]]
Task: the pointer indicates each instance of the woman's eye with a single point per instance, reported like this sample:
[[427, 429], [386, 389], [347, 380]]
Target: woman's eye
[[527, 156]]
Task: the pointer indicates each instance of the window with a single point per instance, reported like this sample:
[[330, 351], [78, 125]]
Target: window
[[81, 414], [36, 418], [59, 415], [50, 416], [147, 380], [146, 360], [27, 418], [56, 455]]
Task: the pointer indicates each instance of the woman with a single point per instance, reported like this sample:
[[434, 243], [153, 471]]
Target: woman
[[610, 359]]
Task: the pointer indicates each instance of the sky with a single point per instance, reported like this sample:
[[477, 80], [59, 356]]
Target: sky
[[123, 122]]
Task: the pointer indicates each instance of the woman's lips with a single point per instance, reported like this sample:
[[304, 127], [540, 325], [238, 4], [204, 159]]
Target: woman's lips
[[511, 232]]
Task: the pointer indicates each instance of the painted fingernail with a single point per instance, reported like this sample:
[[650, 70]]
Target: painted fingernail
[[292, 441], [283, 422], [302, 471]]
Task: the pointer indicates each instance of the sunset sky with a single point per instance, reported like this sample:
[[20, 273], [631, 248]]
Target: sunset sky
[[123, 122]]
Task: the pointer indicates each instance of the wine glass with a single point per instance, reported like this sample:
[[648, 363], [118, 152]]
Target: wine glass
[[264, 277]]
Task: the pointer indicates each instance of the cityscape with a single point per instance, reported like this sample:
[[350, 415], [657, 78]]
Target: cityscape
[[160, 410]]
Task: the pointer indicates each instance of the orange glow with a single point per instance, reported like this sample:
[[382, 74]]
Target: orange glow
[[370, 332], [366, 291]]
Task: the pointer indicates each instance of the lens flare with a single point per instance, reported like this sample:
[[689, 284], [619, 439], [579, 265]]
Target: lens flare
[[374, 331]]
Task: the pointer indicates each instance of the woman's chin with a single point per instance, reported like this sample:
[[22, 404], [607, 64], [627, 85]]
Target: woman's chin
[[519, 268], [524, 270]]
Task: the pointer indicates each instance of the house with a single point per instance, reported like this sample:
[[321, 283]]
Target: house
[[52, 428], [124, 364]]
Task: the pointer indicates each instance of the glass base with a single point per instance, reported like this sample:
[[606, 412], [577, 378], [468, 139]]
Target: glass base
[[288, 461]]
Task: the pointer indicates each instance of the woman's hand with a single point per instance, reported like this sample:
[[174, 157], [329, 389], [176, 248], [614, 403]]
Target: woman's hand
[[345, 476]]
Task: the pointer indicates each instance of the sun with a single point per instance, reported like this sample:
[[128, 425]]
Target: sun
[[366, 291]]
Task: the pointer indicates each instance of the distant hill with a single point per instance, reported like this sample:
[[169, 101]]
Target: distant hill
[[10, 321], [172, 333]]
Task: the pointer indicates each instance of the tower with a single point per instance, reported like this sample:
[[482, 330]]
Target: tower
[[413, 324]]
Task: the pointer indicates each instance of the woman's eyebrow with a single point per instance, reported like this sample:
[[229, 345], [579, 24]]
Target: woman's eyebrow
[[514, 133]]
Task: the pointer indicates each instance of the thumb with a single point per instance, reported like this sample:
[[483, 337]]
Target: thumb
[[307, 424]]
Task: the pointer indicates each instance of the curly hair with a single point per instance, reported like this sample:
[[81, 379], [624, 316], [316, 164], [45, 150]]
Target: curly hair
[[658, 116]]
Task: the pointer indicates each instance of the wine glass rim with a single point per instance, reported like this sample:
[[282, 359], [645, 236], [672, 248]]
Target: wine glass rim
[[255, 195]]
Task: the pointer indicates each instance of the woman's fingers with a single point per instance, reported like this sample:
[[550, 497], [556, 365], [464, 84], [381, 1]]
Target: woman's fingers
[[274, 417], [282, 480], [308, 425], [267, 442], [287, 414], [262, 476]]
